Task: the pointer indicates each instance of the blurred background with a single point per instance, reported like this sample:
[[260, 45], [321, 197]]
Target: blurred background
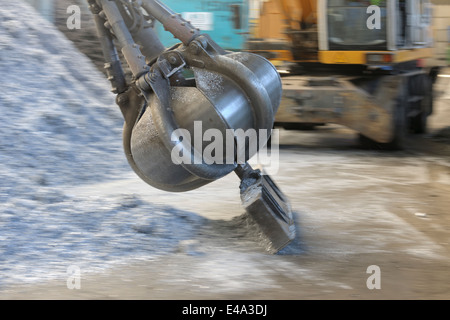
[[311, 39], [369, 187], [234, 23]]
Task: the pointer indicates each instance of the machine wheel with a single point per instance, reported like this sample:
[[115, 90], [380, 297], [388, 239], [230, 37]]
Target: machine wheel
[[419, 122], [400, 124], [300, 126]]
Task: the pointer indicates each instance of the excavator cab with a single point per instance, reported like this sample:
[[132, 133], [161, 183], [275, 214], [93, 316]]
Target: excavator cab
[[362, 64], [374, 32], [351, 28]]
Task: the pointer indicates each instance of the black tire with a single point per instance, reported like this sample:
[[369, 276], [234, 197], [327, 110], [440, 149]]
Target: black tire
[[419, 122], [400, 123], [299, 126]]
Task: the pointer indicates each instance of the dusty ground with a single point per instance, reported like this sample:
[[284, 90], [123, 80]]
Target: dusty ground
[[354, 209]]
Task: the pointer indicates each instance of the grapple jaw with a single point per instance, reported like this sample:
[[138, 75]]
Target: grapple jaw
[[268, 207]]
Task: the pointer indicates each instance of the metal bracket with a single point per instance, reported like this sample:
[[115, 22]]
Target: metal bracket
[[170, 63]]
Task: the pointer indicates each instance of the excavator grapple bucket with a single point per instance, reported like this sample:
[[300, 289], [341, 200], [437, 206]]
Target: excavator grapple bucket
[[195, 84]]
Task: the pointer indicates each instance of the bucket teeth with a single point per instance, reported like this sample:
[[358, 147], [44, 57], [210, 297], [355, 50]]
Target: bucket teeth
[[267, 206]]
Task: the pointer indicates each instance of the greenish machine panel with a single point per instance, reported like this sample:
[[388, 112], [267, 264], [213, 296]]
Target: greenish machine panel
[[225, 21]]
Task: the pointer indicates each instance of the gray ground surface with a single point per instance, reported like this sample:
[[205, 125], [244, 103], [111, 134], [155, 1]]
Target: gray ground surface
[[69, 199]]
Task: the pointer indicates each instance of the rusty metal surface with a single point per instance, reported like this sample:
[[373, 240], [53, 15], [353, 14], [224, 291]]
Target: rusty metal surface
[[338, 100]]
